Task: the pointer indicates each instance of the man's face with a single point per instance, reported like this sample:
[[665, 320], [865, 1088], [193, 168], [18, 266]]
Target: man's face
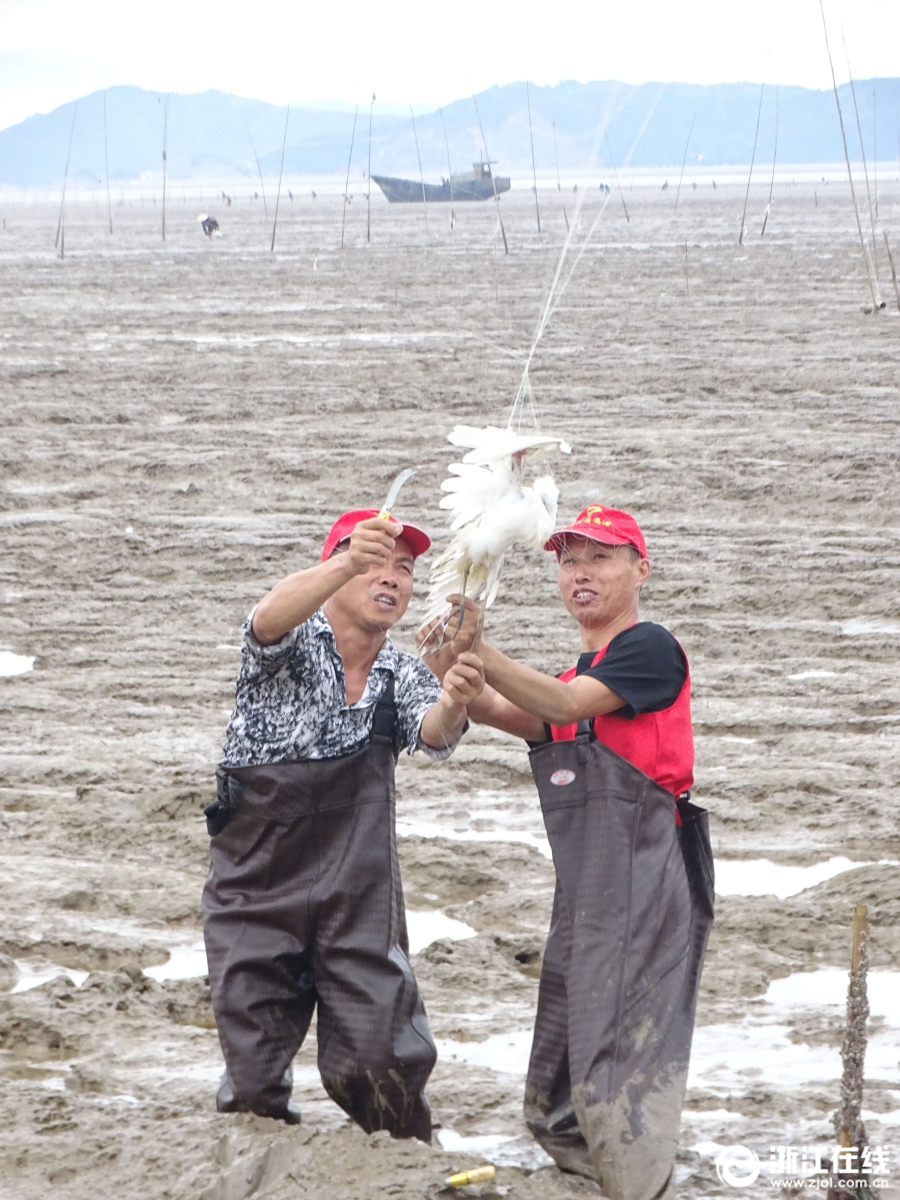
[[599, 583], [378, 599]]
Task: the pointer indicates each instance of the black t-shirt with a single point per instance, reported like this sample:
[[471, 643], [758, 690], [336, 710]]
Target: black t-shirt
[[644, 665]]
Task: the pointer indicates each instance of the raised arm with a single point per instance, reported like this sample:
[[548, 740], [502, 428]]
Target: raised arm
[[543, 696], [298, 596]]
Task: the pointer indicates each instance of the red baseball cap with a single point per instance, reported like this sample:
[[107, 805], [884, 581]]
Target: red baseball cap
[[608, 525], [417, 539]]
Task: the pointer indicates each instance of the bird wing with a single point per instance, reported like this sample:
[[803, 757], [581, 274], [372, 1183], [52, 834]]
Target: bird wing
[[490, 444], [474, 491]]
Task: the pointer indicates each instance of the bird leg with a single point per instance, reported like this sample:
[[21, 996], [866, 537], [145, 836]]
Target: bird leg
[[462, 605]]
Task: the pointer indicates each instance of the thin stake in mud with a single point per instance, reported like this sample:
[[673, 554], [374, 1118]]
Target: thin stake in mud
[[887, 246], [369, 177], [875, 149], [762, 232], [684, 160], [493, 180], [262, 186], [687, 277], [165, 147], [616, 174], [837, 100], [862, 151], [533, 167], [762, 88], [62, 203], [848, 1126], [315, 271], [421, 174], [559, 183], [106, 160], [280, 173], [347, 180], [449, 168]]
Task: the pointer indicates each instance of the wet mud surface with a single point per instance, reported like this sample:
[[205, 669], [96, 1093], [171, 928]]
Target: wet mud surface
[[181, 425]]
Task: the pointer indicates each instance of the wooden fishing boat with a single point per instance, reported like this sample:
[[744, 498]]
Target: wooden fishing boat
[[479, 184]]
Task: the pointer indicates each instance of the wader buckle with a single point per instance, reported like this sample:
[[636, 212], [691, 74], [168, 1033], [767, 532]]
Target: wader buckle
[[220, 812]]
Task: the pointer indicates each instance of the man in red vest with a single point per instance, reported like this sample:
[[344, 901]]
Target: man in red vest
[[612, 755]]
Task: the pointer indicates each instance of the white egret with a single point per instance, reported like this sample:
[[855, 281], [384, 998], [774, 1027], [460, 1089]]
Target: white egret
[[492, 511]]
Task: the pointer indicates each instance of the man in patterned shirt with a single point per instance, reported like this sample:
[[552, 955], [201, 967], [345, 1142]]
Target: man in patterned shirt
[[303, 907]]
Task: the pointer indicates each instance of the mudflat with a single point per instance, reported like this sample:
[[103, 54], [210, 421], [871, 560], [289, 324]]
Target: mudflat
[[181, 424]]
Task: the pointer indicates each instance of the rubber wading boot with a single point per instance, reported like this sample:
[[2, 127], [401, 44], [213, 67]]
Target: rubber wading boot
[[227, 1103]]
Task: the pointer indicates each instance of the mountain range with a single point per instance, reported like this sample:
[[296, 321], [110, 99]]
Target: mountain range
[[213, 136]]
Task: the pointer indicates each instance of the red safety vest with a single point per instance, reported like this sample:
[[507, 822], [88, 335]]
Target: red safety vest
[[661, 744]]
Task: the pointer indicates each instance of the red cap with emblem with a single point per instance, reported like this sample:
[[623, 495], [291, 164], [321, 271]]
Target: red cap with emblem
[[608, 525], [417, 539]]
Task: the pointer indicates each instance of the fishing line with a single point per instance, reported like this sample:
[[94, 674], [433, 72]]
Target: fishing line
[[555, 293]]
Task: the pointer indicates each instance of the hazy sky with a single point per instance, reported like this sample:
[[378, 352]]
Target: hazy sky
[[280, 50]]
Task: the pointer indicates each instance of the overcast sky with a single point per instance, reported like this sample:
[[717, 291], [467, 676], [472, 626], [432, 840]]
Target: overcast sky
[[422, 51]]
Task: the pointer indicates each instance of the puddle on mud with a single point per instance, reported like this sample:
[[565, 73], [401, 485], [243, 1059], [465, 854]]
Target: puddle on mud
[[189, 961], [185, 962], [503, 1150], [33, 975], [14, 664], [828, 986], [506, 1053], [729, 1058], [428, 829], [762, 877], [425, 927]]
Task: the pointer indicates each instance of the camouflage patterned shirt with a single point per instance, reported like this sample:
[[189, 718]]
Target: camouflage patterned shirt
[[291, 701]]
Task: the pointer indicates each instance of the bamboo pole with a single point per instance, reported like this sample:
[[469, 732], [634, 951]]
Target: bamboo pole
[[762, 232], [837, 100], [312, 280], [106, 160], [862, 151], [449, 168], [875, 148], [165, 145], [369, 177], [62, 203], [490, 168], [687, 277], [533, 167], [421, 174], [762, 88], [616, 174], [684, 160], [559, 185], [262, 186], [347, 180], [893, 270], [280, 174]]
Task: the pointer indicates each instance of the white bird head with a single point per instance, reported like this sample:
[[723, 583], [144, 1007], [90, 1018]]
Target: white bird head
[[548, 493]]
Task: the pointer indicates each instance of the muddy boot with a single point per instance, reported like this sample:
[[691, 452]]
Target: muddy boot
[[227, 1102]]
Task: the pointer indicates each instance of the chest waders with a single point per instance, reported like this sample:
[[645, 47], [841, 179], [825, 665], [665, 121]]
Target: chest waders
[[631, 917], [303, 909]]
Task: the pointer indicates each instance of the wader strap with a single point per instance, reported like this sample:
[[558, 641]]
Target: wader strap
[[385, 722], [583, 738]]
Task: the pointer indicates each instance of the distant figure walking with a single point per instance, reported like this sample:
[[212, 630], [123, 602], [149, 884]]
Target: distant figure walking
[[665, 186], [226, 199]]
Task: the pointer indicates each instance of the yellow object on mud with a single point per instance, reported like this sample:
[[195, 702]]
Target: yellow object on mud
[[478, 1175]]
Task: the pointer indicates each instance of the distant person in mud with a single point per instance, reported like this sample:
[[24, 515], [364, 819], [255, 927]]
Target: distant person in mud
[[612, 754], [303, 906]]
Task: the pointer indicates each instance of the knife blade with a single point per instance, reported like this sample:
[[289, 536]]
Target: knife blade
[[395, 491]]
